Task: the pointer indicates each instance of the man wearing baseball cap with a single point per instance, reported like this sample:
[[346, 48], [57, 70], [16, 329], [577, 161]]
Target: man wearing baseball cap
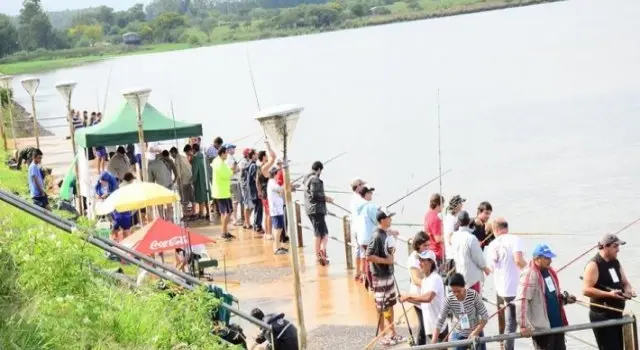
[[539, 301], [450, 226], [380, 255], [605, 283]]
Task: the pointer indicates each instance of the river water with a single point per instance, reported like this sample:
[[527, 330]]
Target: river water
[[538, 111]]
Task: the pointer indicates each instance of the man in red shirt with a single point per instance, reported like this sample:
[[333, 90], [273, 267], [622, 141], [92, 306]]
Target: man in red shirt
[[433, 226]]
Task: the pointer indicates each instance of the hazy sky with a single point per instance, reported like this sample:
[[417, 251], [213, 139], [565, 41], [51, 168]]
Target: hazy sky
[[12, 7]]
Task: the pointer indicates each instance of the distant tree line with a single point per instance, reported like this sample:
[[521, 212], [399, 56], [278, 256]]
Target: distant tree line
[[201, 21]]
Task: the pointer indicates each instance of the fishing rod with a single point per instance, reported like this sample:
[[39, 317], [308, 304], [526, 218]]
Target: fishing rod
[[106, 93], [596, 246], [443, 210], [631, 298], [324, 163], [253, 81], [418, 188], [565, 266]]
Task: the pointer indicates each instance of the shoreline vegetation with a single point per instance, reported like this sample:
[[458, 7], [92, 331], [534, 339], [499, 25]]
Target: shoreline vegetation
[[256, 27]]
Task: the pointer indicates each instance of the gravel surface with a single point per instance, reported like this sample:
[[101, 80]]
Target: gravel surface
[[333, 337]]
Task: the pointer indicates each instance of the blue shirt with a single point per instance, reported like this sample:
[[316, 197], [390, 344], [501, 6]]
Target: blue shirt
[[553, 304], [34, 170]]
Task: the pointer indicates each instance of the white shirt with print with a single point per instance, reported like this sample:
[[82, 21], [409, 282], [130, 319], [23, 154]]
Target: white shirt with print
[[431, 311], [506, 273]]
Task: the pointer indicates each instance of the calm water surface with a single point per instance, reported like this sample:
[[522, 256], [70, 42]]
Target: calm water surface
[[538, 109]]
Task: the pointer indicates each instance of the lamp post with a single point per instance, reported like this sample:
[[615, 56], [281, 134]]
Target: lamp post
[[278, 124], [5, 83], [31, 85], [137, 99], [66, 90]]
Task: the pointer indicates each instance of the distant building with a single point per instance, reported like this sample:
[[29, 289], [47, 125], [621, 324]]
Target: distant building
[[131, 39]]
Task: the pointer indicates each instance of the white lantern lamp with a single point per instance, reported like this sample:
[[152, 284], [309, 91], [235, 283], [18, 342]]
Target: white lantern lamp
[[137, 99], [31, 85], [66, 90], [278, 124]]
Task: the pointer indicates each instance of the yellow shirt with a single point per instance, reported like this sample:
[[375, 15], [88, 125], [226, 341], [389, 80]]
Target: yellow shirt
[[221, 179]]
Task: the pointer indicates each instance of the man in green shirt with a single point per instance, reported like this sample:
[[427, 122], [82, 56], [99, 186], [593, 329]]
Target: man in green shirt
[[221, 189]]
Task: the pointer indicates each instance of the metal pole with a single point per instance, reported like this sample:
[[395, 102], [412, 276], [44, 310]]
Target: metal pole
[[75, 156], [298, 222], [346, 228], [509, 336], [295, 263], [4, 136], [143, 147], [13, 129], [35, 121]]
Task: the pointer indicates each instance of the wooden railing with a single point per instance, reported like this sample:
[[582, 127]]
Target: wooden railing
[[346, 239]]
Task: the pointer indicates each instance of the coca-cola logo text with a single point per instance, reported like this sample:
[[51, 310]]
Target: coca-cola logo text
[[174, 241]]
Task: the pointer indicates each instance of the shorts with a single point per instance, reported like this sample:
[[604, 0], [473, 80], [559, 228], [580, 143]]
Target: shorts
[[42, 201], [236, 192], [122, 223], [224, 205], [187, 194], [101, 152], [319, 225], [384, 292], [139, 160], [277, 222], [265, 204]]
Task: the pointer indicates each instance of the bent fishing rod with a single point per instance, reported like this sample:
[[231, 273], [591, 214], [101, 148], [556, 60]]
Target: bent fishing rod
[[418, 188], [324, 163]]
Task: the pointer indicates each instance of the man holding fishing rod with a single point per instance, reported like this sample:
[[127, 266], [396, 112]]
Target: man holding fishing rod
[[539, 301], [605, 283]]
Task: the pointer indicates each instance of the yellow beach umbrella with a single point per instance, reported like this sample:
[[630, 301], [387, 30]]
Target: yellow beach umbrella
[[136, 196]]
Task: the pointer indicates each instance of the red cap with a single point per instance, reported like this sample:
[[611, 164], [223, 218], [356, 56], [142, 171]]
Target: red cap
[[246, 152]]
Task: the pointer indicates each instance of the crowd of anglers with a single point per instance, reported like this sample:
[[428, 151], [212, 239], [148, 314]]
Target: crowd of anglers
[[453, 250], [458, 251]]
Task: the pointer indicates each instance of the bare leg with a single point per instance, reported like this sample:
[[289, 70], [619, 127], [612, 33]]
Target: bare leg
[[247, 217], [276, 238], [224, 219]]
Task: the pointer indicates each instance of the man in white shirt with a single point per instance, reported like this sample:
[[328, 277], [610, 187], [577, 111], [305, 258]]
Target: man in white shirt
[[356, 199], [470, 261], [505, 258], [450, 226], [236, 191]]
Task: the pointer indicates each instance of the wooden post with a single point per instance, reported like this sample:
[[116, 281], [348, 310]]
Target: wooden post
[[298, 219], [347, 242], [628, 334]]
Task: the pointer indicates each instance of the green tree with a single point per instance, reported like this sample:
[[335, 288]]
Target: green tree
[[359, 10], [35, 28], [8, 36]]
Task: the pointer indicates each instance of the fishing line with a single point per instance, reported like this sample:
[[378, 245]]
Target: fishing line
[[324, 163]]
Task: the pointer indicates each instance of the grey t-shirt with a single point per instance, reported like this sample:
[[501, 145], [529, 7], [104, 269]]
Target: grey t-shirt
[[382, 246]]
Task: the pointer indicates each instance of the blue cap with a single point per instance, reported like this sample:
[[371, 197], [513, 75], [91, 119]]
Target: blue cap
[[543, 250], [229, 145]]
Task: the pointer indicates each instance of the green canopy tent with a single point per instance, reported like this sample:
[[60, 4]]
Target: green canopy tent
[[122, 128]]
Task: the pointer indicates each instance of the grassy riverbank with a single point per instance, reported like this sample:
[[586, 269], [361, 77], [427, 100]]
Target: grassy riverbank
[[50, 299], [256, 29]]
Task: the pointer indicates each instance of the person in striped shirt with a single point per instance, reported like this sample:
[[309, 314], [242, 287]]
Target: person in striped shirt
[[468, 311]]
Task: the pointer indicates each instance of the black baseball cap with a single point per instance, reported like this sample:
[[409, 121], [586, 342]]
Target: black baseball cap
[[364, 190], [383, 213]]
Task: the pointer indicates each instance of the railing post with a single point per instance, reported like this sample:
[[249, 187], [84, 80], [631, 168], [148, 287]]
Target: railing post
[[346, 224], [298, 219], [629, 334]]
